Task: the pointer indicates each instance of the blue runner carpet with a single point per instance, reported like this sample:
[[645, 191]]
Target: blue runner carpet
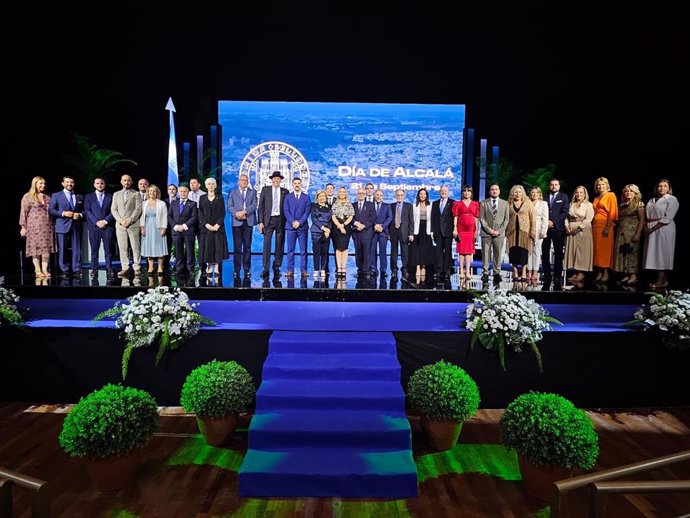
[[330, 420]]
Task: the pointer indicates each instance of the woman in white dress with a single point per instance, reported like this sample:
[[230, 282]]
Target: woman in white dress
[[541, 213], [660, 229]]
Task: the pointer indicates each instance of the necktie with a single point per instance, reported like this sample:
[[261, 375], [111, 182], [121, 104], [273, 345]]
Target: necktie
[[443, 204], [244, 199], [71, 201], [181, 207], [143, 197], [494, 206], [276, 201], [378, 206], [360, 206], [297, 196], [124, 197], [100, 199], [330, 201], [553, 197], [398, 215]]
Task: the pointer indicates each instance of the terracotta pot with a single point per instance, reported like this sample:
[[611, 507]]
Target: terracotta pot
[[441, 435], [217, 431], [538, 480], [113, 472]]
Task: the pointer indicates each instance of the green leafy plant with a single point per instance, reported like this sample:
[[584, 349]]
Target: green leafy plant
[[547, 429], [443, 392], [501, 318], [87, 161], [669, 314], [217, 389], [160, 315], [540, 177], [112, 420], [9, 314]]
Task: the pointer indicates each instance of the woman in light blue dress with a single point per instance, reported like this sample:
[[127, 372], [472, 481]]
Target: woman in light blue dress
[[154, 224]]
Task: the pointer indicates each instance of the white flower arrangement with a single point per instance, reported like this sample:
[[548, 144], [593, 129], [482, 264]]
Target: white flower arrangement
[[9, 314], [161, 314], [670, 314], [501, 318]]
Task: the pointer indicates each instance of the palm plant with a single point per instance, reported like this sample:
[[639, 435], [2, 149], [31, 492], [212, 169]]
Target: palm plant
[[540, 178], [88, 161]]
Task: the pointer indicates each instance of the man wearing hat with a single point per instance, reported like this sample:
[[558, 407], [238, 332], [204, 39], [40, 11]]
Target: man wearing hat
[[272, 220]]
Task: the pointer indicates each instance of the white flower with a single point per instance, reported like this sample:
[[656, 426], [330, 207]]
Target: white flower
[[669, 313]]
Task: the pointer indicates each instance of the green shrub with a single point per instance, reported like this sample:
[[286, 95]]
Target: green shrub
[[443, 392], [112, 420], [217, 389], [547, 429]]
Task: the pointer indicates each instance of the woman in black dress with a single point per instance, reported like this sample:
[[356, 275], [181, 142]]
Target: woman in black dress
[[343, 213], [213, 243]]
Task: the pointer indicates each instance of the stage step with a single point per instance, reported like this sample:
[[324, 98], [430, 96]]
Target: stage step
[[330, 420], [345, 366], [301, 428], [328, 472]]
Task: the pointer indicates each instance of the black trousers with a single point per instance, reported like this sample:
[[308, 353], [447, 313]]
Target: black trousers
[[275, 226], [398, 241], [558, 239]]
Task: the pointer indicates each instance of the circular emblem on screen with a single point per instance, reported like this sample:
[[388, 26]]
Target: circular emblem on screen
[[271, 156]]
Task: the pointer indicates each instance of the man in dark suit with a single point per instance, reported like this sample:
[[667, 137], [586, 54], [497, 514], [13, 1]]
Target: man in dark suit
[[330, 199], [67, 210], [172, 196], [559, 205], [401, 231], [271, 218], [242, 208], [297, 207], [379, 240], [362, 232], [442, 228], [99, 223], [183, 218]]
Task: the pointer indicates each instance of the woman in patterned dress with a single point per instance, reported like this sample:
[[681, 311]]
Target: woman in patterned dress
[[36, 226], [631, 220]]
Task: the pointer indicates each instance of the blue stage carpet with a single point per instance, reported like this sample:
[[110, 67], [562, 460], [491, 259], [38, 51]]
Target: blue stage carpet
[[329, 316], [330, 420]]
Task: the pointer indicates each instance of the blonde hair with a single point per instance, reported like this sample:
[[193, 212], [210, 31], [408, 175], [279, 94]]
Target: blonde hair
[[158, 191], [33, 190], [347, 196], [319, 193], [586, 198], [637, 197], [604, 180], [538, 189], [517, 188]]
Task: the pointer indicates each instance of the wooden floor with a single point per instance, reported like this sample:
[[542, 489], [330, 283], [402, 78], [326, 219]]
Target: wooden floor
[[182, 478]]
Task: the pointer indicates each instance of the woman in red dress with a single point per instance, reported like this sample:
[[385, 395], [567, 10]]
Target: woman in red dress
[[466, 214]]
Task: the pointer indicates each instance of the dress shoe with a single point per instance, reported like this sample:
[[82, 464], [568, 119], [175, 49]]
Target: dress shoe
[[485, 277], [264, 274], [290, 274], [236, 275], [557, 286], [497, 278], [305, 275]]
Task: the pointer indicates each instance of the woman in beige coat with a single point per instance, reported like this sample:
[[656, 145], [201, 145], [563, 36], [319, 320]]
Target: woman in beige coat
[[521, 231], [579, 249]]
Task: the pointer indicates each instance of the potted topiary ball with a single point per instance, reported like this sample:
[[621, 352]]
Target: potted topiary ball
[[108, 428], [551, 437], [217, 392], [445, 396]]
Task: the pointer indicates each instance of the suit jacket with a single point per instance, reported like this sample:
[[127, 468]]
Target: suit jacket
[[131, 210], [488, 221], [558, 210], [237, 204], [366, 217], [266, 204], [297, 210], [59, 204], [442, 223], [189, 217], [406, 219], [383, 218], [95, 213]]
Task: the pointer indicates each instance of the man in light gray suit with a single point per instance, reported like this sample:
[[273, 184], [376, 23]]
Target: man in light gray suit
[[126, 210], [242, 207], [493, 219]]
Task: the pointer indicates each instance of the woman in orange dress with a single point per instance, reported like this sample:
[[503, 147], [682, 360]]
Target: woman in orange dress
[[466, 213], [603, 236], [36, 226]]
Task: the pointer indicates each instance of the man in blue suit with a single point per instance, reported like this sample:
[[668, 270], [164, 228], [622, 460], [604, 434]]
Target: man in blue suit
[[297, 207], [183, 218], [67, 209], [379, 241], [362, 232], [242, 207], [99, 223], [559, 205]]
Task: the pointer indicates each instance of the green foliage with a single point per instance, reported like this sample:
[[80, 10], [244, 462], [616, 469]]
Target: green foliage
[[9, 314], [87, 161], [503, 172], [547, 429], [443, 392], [539, 178], [112, 420], [217, 389]]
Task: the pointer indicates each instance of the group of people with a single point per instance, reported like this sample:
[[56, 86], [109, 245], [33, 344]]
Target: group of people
[[142, 223], [601, 236], [604, 235]]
